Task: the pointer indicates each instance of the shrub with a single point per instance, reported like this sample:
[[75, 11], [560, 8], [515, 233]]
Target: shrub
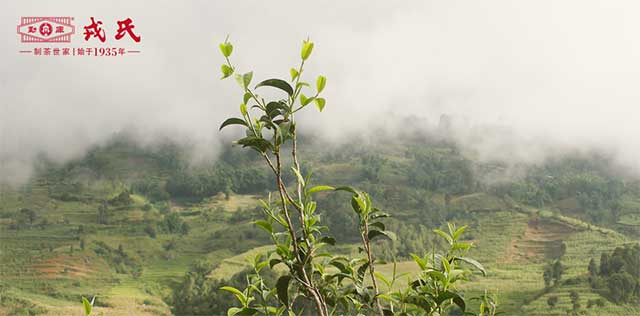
[[316, 279]]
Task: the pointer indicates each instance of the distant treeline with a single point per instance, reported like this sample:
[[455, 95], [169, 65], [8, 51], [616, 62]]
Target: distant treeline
[[618, 274], [586, 185]]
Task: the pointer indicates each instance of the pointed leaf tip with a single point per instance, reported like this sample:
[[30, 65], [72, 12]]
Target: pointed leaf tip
[[320, 83], [307, 48], [320, 103], [87, 306]]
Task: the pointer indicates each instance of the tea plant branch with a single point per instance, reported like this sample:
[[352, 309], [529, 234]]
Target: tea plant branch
[[281, 183], [336, 284], [367, 247]]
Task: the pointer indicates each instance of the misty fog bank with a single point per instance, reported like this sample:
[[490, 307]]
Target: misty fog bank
[[522, 81]]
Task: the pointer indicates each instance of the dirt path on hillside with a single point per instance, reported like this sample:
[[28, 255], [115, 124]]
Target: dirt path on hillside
[[541, 241], [63, 266]]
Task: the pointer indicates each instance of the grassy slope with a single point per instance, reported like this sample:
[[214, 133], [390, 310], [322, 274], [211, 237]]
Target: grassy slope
[[499, 236], [54, 279], [512, 247]]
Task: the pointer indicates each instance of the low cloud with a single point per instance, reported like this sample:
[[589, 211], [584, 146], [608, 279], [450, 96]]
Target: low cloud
[[524, 77]]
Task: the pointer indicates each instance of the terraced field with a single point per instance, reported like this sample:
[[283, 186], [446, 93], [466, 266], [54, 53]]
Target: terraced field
[[44, 268]]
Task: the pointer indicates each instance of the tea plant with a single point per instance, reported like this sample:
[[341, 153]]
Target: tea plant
[[88, 306], [318, 281]]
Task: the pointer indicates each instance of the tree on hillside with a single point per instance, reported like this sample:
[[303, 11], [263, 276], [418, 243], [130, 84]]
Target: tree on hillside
[[547, 276], [552, 272], [24, 217], [122, 199], [316, 280], [174, 224], [575, 301], [622, 286], [604, 264], [103, 214], [552, 301], [557, 271], [29, 214], [372, 165], [619, 273], [593, 268], [193, 285], [150, 230]]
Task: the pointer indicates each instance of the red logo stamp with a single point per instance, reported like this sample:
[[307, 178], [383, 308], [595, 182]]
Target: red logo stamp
[[52, 29], [59, 29]]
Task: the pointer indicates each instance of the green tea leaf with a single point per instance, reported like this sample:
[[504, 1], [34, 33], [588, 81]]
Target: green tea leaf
[[446, 265], [257, 143], [247, 311], [233, 121], [459, 232], [246, 79], [460, 302], [241, 297], [320, 83], [474, 263], [232, 290], [347, 188], [320, 102], [307, 48], [461, 245], [274, 262], [277, 83], [444, 235], [328, 240], [378, 233], [421, 262], [378, 225], [298, 175], [321, 188], [226, 71], [226, 49], [294, 73], [276, 108], [361, 271], [302, 84], [282, 288], [246, 98], [451, 296], [381, 277], [357, 204], [233, 311], [437, 275], [304, 100], [87, 306], [264, 225]]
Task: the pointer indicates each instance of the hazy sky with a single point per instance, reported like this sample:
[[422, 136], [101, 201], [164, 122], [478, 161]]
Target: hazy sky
[[563, 73]]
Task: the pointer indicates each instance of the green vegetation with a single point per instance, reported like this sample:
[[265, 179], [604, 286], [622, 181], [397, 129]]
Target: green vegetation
[[317, 280], [513, 240], [145, 231], [618, 274]]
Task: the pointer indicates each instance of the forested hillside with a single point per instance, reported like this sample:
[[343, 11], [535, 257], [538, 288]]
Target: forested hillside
[[149, 232]]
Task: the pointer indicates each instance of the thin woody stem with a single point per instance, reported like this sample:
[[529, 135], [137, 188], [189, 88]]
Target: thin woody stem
[[290, 227], [367, 247], [296, 165], [305, 280], [284, 188], [285, 197]]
